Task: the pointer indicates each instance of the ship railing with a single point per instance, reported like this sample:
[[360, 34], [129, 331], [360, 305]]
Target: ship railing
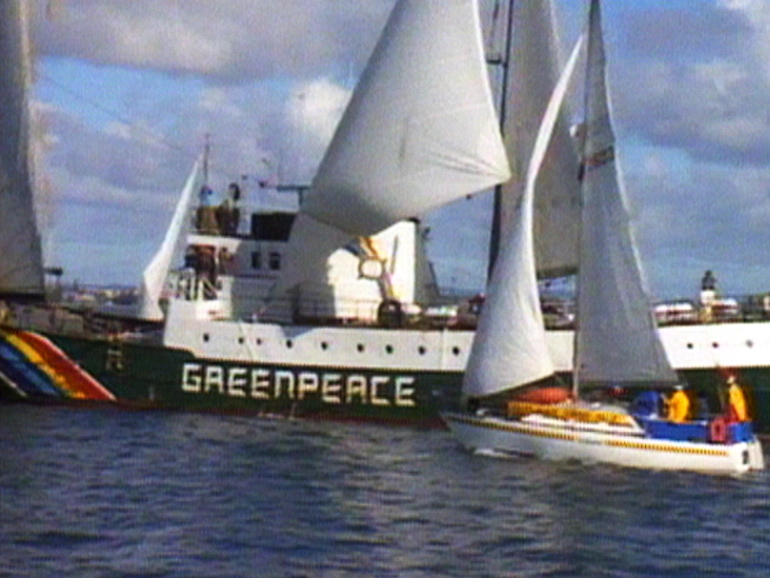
[[186, 285]]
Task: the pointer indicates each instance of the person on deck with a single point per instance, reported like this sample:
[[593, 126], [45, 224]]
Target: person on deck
[[678, 406], [228, 213], [205, 215], [736, 401], [708, 295]]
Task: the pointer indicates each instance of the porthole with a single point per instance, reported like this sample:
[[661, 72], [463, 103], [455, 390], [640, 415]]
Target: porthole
[[240, 340], [206, 337], [455, 351], [360, 348], [259, 341], [289, 344], [388, 349], [749, 343], [421, 350], [715, 345], [324, 345], [690, 346]]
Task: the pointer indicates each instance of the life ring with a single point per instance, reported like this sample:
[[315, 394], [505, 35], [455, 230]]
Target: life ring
[[718, 430], [371, 268]]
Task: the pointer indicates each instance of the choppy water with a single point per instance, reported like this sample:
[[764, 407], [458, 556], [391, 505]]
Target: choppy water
[[110, 493]]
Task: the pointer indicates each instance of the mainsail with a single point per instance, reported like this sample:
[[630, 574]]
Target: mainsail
[[419, 132], [534, 69], [21, 262], [509, 348], [616, 338], [171, 250]]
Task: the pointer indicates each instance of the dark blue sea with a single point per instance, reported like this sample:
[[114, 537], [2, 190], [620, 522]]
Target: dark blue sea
[[92, 493]]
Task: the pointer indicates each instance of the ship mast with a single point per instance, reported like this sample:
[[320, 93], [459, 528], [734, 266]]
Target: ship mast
[[206, 155], [502, 60]]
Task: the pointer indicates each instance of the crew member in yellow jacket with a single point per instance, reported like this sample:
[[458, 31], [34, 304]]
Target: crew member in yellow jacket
[[736, 401], [678, 406]]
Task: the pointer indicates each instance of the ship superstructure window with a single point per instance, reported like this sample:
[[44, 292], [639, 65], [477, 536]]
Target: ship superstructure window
[[274, 261], [271, 226], [256, 260]]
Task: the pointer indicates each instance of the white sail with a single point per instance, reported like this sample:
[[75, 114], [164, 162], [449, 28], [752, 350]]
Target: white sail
[[421, 128], [617, 340], [534, 64], [171, 250], [21, 262], [509, 348], [419, 132]]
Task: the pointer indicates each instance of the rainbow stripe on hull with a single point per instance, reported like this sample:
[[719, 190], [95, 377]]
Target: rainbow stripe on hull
[[34, 368]]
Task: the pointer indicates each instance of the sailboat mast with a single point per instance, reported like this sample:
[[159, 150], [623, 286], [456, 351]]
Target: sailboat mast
[[504, 61]]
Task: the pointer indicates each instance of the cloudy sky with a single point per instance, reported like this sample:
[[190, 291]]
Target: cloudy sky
[[127, 91]]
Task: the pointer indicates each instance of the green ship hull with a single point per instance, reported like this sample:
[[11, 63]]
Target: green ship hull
[[152, 376], [148, 376]]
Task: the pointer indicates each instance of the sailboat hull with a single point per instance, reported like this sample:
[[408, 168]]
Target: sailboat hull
[[555, 440]]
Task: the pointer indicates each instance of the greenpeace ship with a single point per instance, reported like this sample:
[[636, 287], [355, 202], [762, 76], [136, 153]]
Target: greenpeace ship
[[330, 312]]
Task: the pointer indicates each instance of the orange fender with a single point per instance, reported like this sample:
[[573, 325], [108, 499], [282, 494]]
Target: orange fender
[[545, 395], [718, 430]]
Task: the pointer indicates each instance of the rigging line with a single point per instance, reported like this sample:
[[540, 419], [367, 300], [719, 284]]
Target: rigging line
[[159, 139], [117, 116]]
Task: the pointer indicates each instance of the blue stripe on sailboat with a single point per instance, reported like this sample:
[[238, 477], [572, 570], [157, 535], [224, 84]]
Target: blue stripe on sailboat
[[25, 374]]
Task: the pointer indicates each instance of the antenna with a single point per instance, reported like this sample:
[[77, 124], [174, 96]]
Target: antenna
[[206, 153]]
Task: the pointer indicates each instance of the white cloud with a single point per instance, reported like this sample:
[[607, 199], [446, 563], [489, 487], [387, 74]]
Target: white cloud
[[317, 107], [233, 40], [271, 79], [756, 14]]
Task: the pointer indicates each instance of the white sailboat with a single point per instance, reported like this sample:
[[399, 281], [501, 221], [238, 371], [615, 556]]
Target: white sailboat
[[616, 341], [21, 265], [31, 366]]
